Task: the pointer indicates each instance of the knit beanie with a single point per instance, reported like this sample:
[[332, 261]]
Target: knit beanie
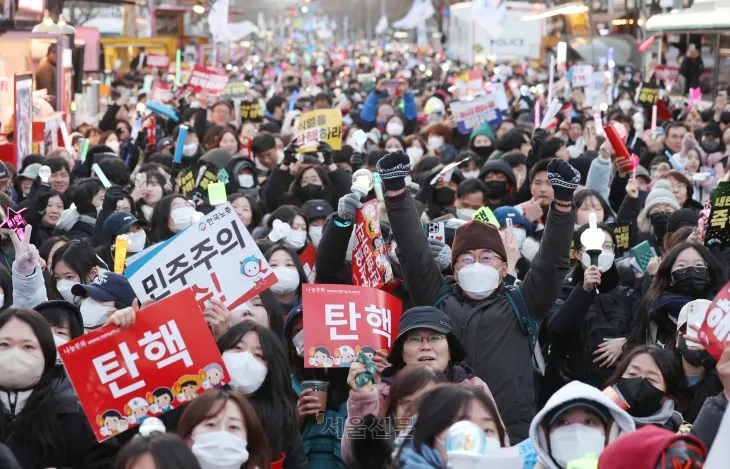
[[483, 129], [477, 235], [661, 193]]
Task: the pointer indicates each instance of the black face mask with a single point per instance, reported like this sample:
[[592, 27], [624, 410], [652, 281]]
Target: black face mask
[[644, 398], [311, 191], [483, 152], [710, 146], [695, 357], [496, 189], [691, 281], [444, 196], [659, 223]]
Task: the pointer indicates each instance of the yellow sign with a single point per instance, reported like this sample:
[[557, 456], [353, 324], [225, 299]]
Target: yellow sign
[[319, 125], [486, 215]]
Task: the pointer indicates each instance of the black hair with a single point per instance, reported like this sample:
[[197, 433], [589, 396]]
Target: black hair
[[262, 143], [116, 171], [80, 257], [581, 196], [539, 167], [57, 164], [256, 215], [577, 244], [6, 283], [45, 249], [297, 263], [162, 159], [550, 147], [160, 222], [84, 191], [472, 186], [323, 97], [162, 392], [168, 451], [60, 315], [372, 157], [274, 401], [512, 140]]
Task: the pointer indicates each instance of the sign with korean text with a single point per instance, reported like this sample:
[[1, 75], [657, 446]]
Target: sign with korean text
[[622, 231], [157, 60], [235, 89], [581, 75], [216, 257], [486, 215], [124, 376], [308, 258], [189, 184], [208, 80], [343, 320], [717, 233], [649, 94], [666, 73], [160, 92], [471, 114], [597, 91], [715, 330], [320, 125], [252, 111], [370, 265]]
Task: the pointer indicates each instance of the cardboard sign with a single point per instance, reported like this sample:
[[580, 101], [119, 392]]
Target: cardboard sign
[[370, 265], [123, 376], [160, 92], [216, 257], [208, 80], [649, 94], [328, 126], [308, 258], [235, 89], [717, 234], [157, 61], [486, 215], [343, 320], [581, 75], [471, 114], [715, 331], [667, 74], [622, 231], [252, 111]]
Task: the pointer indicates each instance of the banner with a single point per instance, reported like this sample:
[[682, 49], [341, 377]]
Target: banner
[[581, 75], [205, 79], [717, 234], [235, 89], [157, 60], [315, 126], [486, 215], [649, 94], [370, 265], [343, 320], [715, 331], [252, 111], [123, 376], [471, 114], [666, 73], [215, 256], [160, 92], [622, 232]]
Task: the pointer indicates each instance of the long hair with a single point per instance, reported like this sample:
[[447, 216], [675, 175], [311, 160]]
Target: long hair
[[36, 428], [297, 263], [663, 281], [213, 402], [80, 257], [160, 221], [407, 382], [168, 451], [275, 401]]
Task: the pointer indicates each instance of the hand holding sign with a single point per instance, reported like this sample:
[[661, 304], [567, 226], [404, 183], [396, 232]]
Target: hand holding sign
[[26, 254]]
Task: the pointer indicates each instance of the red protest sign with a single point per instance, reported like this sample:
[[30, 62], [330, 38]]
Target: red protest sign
[[715, 331], [307, 258], [354, 318], [160, 92], [167, 358], [205, 79], [370, 265], [157, 61], [666, 73]]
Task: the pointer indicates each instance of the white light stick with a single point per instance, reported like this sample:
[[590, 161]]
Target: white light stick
[[552, 77], [550, 113], [100, 174], [66, 138]]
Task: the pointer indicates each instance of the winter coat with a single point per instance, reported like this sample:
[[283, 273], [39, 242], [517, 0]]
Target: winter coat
[[708, 387], [665, 417], [708, 421], [497, 350], [280, 190], [28, 292], [76, 225]]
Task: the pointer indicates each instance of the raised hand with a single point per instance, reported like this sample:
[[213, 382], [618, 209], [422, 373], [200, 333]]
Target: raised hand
[[27, 257]]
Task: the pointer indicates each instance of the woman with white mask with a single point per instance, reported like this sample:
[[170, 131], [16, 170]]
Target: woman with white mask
[[223, 431], [256, 361], [395, 127], [298, 236], [173, 214], [33, 426], [285, 263]]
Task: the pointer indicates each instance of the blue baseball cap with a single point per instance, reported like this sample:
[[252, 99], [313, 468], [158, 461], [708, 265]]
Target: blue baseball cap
[[503, 213], [107, 286]]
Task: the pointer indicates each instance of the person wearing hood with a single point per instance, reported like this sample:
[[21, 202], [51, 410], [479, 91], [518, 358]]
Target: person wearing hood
[[243, 178], [316, 212], [500, 181], [474, 299], [651, 221], [715, 150], [576, 421], [79, 222], [518, 162], [425, 338], [654, 448], [481, 142]]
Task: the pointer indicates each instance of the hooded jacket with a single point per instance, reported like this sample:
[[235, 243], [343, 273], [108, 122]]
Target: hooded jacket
[[621, 424], [75, 225], [641, 449]]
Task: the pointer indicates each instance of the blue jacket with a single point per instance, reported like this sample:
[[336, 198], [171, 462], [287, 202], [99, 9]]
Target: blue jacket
[[369, 111]]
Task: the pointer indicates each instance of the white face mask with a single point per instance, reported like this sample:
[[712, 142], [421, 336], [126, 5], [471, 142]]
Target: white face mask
[[114, 146], [520, 235], [298, 342], [471, 174], [605, 260], [247, 373], [465, 213], [296, 238], [478, 280], [435, 142], [19, 369], [415, 154], [288, 280], [625, 105], [574, 442], [245, 180], [137, 241], [394, 129], [315, 233], [190, 149], [220, 450], [64, 288], [182, 217], [2, 299], [94, 313]]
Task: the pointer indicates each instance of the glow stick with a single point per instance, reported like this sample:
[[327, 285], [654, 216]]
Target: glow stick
[[552, 77], [550, 113], [100, 174], [537, 113]]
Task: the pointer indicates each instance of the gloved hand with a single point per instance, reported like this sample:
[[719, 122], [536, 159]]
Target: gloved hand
[[326, 151], [348, 206], [357, 161], [393, 169], [290, 153], [26, 254], [441, 253], [564, 178], [113, 195]]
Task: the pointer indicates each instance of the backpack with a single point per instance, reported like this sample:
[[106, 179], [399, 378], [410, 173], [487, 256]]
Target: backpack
[[528, 324]]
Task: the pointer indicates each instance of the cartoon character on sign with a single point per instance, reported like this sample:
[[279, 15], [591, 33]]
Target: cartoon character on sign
[[251, 269], [369, 351], [160, 400], [344, 355], [186, 388], [214, 376], [137, 410], [111, 423], [320, 357]]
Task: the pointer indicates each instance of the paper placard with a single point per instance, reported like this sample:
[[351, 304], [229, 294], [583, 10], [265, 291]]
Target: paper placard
[[327, 123]]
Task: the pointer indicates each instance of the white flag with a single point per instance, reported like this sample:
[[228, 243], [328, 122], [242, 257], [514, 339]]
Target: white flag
[[420, 11], [218, 21], [382, 25]]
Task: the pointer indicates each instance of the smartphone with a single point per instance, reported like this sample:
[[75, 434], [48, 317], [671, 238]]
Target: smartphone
[[696, 312], [643, 252]]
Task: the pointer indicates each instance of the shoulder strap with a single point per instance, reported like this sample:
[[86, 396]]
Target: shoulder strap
[[442, 294], [514, 295]]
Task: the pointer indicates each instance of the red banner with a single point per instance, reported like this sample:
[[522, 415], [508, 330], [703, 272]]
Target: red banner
[[157, 61], [167, 358], [715, 330], [666, 73], [370, 265], [205, 79], [343, 320], [160, 92], [307, 258]]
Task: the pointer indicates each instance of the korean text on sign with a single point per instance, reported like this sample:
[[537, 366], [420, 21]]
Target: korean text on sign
[[581, 75], [167, 358], [715, 330], [216, 257], [471, 114], [622, 231], [328, 126], [717, 233], [370, 264], [345, 320], [205, 79]]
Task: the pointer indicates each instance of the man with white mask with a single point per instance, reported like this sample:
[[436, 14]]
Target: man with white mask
[[474, 298], [106, 294]]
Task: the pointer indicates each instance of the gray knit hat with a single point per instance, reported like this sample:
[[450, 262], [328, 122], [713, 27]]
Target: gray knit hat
[[661, 193]]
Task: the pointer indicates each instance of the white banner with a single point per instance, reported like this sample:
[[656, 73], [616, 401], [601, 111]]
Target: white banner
[[582, 75]]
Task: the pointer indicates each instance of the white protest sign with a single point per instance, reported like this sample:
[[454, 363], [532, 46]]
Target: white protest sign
[[216, 256], [720, 453], [597, 90], [470, 114], [500, 96], [582, 75]]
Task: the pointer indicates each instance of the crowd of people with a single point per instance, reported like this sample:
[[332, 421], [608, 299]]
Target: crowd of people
[[517, 329]]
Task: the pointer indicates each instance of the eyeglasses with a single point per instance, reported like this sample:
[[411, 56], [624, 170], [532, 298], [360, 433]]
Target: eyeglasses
[[485, 259], [433, 340]]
